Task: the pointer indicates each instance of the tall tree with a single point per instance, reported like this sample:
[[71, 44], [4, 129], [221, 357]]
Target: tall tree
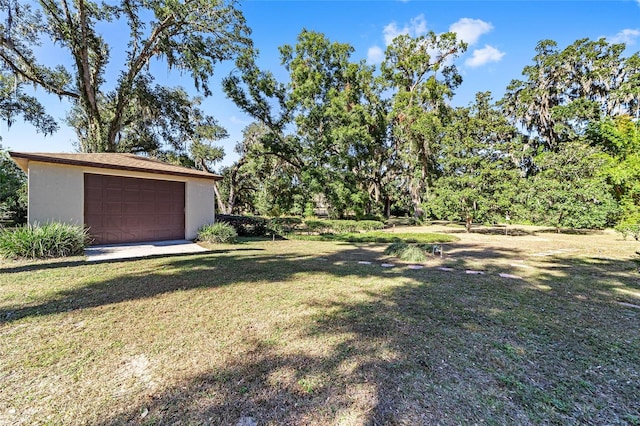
[[327, 121], [479, 179], [421, 73], [619, 137], [570, 189], [130, 113], [564, 90]]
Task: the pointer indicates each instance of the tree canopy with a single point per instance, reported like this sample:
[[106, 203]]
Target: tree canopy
[[123, 111], [557, 149], [560, 147]]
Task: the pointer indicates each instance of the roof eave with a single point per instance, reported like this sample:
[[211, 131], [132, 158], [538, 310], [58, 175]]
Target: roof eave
[[22, 159]]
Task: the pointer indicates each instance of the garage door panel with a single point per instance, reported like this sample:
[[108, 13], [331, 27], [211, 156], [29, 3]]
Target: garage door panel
[[112, 222], [147, 196], [164, 221], [121, 209], [131, 222], [132, 208], [111, 208], [131, 195], [112, 194], [148, 184], [173, 210]]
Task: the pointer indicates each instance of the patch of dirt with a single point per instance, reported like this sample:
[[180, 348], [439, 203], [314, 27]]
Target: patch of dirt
[[135, 373]]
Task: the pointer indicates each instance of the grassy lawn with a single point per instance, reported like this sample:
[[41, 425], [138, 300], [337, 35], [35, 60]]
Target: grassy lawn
[[300, 332]]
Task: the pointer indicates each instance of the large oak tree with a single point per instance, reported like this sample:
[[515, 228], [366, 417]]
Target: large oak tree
[[123, 110]]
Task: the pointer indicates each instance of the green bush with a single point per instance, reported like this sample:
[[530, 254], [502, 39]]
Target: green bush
[[379, 237], [219, 233], [370, 225], [315, 225], [43, 241], [284, 225], [246, 226], [629, 229], [341, 226]]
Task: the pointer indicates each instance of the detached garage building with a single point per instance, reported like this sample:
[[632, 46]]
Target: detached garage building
[[120, 197]]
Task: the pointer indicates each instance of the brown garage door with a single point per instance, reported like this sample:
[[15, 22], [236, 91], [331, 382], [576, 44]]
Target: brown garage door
[[122, 209]]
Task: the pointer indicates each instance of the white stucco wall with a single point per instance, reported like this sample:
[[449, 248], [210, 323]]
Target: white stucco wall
[[199, 206], [56, 193]]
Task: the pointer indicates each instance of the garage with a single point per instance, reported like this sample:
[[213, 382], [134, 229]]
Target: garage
[[120, 198], [122, 209]]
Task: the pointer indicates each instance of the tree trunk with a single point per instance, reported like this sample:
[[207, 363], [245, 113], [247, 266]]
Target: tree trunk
[[416, 199], [216, 191], [387, 207], [468, 223]]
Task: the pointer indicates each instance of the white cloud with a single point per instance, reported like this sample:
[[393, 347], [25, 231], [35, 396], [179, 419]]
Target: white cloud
[[484, 56], [416, 27], [469, 30], [375, 55], [627, 36]]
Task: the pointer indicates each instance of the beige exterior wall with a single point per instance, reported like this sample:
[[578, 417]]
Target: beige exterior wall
[[199, 206], [56, 193]]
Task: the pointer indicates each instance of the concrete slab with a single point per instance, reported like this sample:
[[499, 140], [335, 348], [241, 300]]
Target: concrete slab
[[131, 250]]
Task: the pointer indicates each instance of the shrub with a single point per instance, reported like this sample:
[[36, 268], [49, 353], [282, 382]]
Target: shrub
[[370, 225], [380, 237], [43, 241], [219, 233], [284, 224], [319, 226], [341, 226], [245, 226], [627, 229]]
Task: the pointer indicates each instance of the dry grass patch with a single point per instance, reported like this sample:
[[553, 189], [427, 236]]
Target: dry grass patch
[[297, 332]]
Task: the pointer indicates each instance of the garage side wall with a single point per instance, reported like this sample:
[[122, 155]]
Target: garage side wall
[[56, 194], [199, 206]]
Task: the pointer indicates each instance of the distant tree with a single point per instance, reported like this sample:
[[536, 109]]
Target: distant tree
[[564, 90], [619, 137], [258, 182], [420, 72], [570, 190], [478, 178], [13, 191], [129, 113]]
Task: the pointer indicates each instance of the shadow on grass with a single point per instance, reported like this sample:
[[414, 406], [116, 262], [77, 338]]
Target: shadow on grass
[[437, 348], [39, 265]]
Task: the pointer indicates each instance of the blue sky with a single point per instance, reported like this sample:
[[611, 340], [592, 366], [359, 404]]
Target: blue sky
[[502, 36]]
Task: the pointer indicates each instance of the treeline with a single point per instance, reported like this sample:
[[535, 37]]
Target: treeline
[[560, 148]]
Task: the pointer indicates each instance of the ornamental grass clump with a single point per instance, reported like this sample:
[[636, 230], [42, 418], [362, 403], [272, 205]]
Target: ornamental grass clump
[[408, 252], [43, 241], [218, 233]]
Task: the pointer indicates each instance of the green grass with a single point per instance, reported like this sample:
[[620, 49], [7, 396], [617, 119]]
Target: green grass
[[298, 332]]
